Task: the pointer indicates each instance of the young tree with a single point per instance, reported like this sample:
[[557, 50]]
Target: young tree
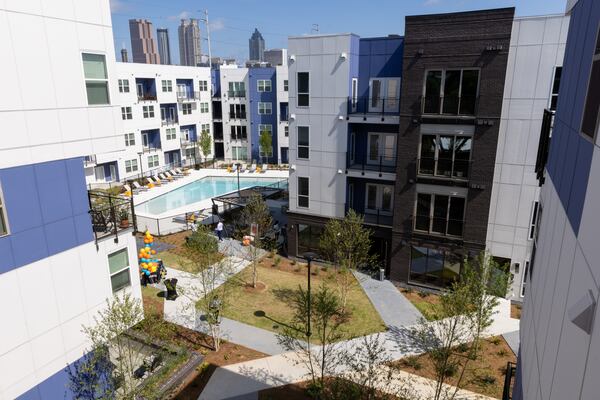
[[346, 243], [256, 212], [485, 281], [108, 336], [201, 256], [205, 144], [91, 378], [326, 326], [265, 142]]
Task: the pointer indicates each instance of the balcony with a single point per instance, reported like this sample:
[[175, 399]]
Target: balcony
[[374, 107], [169, 122], [187, 96], [89, 161], [146, 89], [237, 93], [438, 226], [110, 215], [450, 106], [376, 217], [377, 164], [544, 145], [444, 168], [237, 115]]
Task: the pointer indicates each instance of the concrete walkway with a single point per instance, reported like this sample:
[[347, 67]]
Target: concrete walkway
[[513, 339], [395, 309]]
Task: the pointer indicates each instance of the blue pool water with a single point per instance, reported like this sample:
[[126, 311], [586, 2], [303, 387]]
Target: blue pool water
[[199, 190]]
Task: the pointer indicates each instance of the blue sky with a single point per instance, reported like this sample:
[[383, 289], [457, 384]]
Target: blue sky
[[232, 21]]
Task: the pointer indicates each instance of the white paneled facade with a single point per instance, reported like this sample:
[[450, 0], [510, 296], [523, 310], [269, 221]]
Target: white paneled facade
[[283, 139], [232, 73], [537, 48]]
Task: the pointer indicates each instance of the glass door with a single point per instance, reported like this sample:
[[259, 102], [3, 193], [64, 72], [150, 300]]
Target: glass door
[[382, 149]]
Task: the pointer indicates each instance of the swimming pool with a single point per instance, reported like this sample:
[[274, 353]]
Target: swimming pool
[[202, 189]]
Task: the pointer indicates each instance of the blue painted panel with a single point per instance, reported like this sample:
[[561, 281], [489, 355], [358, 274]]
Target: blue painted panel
[[255, 97], [580, 182], [56, 387], [61, 235], [53, 191], [77, 187], [29, 246], [21, 198], [7, 260], [83, 228], [216, 82]]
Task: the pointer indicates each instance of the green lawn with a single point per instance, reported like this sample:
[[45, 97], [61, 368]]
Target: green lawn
[[181, 263], [272, 301]]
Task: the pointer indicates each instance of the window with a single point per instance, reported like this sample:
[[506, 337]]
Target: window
[[434, 267], [382, 149], [237, 111], [451, 92], [3, 217], [264, 85], [302, 192], [445, 156], [285, 85], [124, 85], [118, 265], [238, 132], [265, 108], [131, 165], [439, 214], [126, 113], [153, 161], [186, 108], [148, 111], [286, 131], [239, 153], [203, 85], [524, 278], [589, 124], [384, 94], [205, 128], [190, 152], [533, 221], [303, 99], [308, 238], [129, 139], [237, 89], [379, 199], [96, 78], [555, 87], [265, 128], [354, 93], [167, 86], [171, 133], [203, 107], [303, 142]]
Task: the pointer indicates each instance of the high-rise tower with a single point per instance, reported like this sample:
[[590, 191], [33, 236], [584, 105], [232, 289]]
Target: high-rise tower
[[256, 45], [143, 45], [189, 43], [164, 46]]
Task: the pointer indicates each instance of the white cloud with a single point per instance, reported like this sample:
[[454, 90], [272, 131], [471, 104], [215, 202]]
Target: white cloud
[[181, 15], [117, 6], [217, 25], [432, 2]]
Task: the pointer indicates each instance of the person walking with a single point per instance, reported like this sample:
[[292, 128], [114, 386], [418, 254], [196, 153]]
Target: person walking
[[220, 230]]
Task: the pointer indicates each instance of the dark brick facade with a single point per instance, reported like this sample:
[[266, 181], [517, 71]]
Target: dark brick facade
[[478, 39]]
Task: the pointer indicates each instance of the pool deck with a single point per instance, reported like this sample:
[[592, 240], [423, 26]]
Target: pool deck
[[156, 191]]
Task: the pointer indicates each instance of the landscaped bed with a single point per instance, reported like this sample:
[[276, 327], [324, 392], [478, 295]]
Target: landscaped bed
[[485, 375], [424, 302], [278, 277]]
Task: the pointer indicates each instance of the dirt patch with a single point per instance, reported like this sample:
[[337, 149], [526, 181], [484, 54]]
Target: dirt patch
[[485, 375], [260, 287], [298, 391], [515, 311]]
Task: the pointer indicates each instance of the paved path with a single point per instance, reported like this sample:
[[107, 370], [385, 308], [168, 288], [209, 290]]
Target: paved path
[[395, 309], [513, 340]]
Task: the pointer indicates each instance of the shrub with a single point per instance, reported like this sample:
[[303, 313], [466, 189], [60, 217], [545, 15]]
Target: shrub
[[423, 294], [408, 290], [486, 380], [450, 370], [495, 341], [412, 362], [462, 348], [502, 353], [276, 261]]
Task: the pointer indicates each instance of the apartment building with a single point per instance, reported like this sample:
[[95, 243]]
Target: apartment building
[[163, 109], [283, 112], [56, 268], [560, 337]]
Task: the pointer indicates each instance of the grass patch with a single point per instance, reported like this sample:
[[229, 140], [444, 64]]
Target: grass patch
[[423, 301], [485, 375], [181, 263], [515, 311], [273, 293]]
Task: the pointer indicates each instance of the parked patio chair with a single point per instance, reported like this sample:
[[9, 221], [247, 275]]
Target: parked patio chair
[[171, 177], [128, 191], [184, 172], [139, 187], [252, 168], [243, 168], [158, 180], [151, 181], [164, 177], [264, 168]]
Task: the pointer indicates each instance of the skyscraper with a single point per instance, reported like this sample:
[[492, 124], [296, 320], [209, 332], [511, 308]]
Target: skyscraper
[[143, 45], [256, 45], [164, 46], [189, 43]]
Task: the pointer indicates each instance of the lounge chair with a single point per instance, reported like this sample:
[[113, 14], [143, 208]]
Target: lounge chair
[[159, 181], [175, 174], [184, 172], [264, 168], [128, 192], [152, 182], [165, 177], [252, 168], [171, 177], [243, 167], [139, 187]]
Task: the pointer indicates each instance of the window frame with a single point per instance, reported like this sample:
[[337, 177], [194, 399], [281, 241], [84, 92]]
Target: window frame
[[263, 105], [441, 94], [4, 214], [171, 133], [436, 156], [204, 107], [203, 86], [202, 130], [123, 85], [304, 196], [126, 113], [431, 215], [133, 165], [153, 161], [96, 80], [241, 132], [533, 220], [298, 93], [148, 111], [381, 148], [379, 188], [286, 131], [129, 139], [524, 279], [304, 146], [263, 87], [186, 108], [595, 59], [354, 94], [166, 85], [552, 94], [286, 85], [113, 274]]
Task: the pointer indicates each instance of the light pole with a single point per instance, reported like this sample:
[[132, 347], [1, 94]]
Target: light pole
[[238, 166], [309, 257], [141, 167]]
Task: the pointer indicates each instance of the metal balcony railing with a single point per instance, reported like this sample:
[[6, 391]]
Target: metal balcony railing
[[236, 93], [376, 217], [443, 168], [379, 164], [111, 215], [509, 381], [464, 106], [374, 106], [169, 121], [237, 115], [89, 161], [438, 226], [187, 95], [283, 117], [147, 97]]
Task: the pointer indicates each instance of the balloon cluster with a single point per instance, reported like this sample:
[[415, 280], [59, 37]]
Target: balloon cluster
[[147, 256]]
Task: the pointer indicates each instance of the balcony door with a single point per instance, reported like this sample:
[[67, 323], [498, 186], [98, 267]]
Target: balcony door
[[384, 94], [379, 199], [382, 149]]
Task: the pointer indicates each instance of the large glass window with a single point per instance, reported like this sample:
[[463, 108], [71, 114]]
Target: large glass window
[[555, 88], [308, 238], [166, 85], [118, 264], [263, 85], [303, 142], [439, 214], [452, 92], [303, 192], [445, 156], [237, 111], [265, 108], [3, 219], [237, 89], [303, 91], [239, 152], [589, 125], [96, 78], [379, 199], [129, 139], [382, 148], [238, 132], [433, 267]]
